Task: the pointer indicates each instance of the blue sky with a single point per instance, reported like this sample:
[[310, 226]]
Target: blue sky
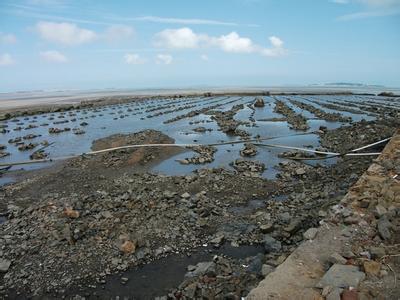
[[85, 44]]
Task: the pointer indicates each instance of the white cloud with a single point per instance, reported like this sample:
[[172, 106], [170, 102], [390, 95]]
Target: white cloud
[[53, 56], [340, 1], [276, 42], [277, 48], [118, 32], [367, 14], [380, 3], [371, 3], [182, 38], [183, 21], [165, 59], [7, 38], [232, 42], [185, 38], [372, 8], [64, 33], [134, 59], [204, 57], [6, 59], [46, 2]]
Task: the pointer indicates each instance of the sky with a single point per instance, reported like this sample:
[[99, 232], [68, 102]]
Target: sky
[[98, 44]]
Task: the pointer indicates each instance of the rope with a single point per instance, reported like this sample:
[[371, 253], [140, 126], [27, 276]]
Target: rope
[[332, 154], [371, 145]]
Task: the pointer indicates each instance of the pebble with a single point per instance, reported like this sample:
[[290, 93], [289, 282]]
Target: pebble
[[185, 195]]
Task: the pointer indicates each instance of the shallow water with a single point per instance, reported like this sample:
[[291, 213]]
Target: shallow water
[[158, 277], [145, 114]]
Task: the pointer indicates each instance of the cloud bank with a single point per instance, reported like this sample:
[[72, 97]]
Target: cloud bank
[[70, 34], [186, 38]]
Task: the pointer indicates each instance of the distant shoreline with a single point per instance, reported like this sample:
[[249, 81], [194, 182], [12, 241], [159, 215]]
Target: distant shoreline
[[29, 103]]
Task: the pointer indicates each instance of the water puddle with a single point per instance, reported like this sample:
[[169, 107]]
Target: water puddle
[[158, 277], [249, 208]]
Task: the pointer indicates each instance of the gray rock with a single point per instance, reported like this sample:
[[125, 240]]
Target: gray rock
[[4, 265], [380, 210], [284, 217], [255, 265], [271, 244], [201, 269], [377, 252], [219, 238], [384, 228], [190, 290], [293, 226], [334, 294], [336, 258], [341, 276], [185, 195], [310, 234], [326, 290], [266, 269]]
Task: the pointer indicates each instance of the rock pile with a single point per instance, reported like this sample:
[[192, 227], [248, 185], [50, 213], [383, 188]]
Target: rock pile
[[333, 117], [53, 130], [248, 167], [297, 121], [206, 155], [248, 150]]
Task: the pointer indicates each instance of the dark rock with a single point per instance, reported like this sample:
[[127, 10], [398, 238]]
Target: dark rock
[[271, 245], [384, 228], [259, 102]]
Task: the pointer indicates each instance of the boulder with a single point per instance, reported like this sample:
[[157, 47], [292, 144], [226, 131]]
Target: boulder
[[341, 276], [259, 102]]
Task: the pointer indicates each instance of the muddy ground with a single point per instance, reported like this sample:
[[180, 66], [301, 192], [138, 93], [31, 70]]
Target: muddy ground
[[103, 226]]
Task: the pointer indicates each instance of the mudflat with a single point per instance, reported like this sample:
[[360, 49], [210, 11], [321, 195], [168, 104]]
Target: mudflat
[[231, 194]]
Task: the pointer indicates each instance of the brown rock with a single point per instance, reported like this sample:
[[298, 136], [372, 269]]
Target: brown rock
[[349, 295], [128, 247], [259, 102], [372, 267], [71, 213]]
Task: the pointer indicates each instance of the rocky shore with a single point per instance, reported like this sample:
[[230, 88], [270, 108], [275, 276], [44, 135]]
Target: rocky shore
[[94, 219]]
